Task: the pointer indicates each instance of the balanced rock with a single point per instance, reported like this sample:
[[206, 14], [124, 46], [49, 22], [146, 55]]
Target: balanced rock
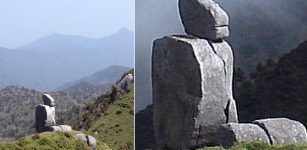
[[204, 19], [192, 92], [65, 128], [283, 130], [60, 128], [229, 134]]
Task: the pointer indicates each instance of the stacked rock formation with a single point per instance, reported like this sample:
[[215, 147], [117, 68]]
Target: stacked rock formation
[[45, 121], [192, 86], [45, 117], [45, 114]]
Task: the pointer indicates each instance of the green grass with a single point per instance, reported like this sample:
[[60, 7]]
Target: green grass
[[261, 146], [50, 141], [115, 126]]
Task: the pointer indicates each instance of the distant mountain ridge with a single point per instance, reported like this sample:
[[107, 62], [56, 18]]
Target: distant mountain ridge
[[54, 60], [88, 88]]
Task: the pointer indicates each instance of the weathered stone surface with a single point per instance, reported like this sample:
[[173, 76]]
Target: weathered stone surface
[[191, 90], [204, 19], [283, 130], [89, 140], [44, 118], [124, 83], [229, 134]]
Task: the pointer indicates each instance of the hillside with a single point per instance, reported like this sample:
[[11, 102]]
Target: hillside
[[48, 141], [110, 119], [17, 108], [51, 61]]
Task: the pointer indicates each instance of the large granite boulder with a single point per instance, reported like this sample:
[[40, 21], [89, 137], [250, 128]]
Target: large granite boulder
[[191, 90], [229, 134], [44, 118], [283, 130], [204, 19]]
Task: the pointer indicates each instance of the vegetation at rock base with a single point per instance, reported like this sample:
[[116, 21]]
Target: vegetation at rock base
[[260, 146], [50, 141]]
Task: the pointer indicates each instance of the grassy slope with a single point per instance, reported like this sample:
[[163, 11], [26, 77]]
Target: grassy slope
[[115, 126], [260, 146], [50, 141]]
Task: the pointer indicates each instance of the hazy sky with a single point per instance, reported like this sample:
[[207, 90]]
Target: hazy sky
[[22, 21]]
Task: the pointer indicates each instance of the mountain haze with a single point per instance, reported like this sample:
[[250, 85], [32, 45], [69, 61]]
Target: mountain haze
[[51, 61]]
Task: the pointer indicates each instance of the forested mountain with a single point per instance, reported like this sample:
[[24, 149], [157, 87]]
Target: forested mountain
[[51, 61], [275, 89]]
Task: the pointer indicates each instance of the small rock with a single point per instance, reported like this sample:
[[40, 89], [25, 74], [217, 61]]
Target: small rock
[[283, 130], [55, 129], [65, 128], [81, 137], [91, 141]]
